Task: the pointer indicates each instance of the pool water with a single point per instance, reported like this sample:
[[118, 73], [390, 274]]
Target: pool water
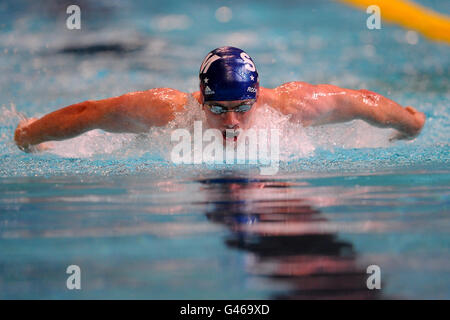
[[139, 226]]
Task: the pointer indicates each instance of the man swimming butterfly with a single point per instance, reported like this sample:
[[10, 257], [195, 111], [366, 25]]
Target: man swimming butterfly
[[229, 95]]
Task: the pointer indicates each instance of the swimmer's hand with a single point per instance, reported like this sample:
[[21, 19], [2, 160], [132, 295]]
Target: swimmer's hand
[[22, 144], [413, 129]]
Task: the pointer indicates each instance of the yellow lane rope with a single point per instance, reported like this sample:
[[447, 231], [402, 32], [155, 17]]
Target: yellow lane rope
[[411, 16]]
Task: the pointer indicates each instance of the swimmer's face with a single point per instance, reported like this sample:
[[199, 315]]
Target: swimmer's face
[[236, 119]]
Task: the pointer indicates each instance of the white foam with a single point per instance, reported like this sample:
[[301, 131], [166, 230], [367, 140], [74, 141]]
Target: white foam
[[296, 141]]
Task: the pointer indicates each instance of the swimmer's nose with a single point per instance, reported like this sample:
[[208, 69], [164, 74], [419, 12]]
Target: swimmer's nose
[[230, 121]]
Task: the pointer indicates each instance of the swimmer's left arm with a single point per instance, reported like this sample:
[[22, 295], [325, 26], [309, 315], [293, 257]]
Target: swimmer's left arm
[[385, 113], [326, 104]]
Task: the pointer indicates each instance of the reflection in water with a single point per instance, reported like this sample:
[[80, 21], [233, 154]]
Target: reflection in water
[[310, 263], [90, 49]]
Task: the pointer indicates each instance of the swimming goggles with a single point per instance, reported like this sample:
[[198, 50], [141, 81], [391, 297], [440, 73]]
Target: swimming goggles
[[216, 109]]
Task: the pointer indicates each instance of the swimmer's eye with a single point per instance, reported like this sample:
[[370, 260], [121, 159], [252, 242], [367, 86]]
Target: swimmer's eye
[[216, 109]]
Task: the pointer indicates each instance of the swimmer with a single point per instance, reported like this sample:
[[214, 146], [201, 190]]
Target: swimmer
[[229, 95]]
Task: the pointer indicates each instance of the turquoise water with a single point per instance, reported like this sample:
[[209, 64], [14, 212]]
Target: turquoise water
[[140, 227]]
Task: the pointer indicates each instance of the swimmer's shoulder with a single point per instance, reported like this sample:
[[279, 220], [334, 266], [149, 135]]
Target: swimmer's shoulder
[[285, 96], [197, 96], [166, 96], [151, 104]]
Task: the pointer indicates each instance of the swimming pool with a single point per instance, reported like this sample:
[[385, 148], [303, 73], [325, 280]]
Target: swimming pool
[[141, 227]]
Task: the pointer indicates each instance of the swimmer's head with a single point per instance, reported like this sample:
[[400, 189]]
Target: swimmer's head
[[229, 87], [228, 74]]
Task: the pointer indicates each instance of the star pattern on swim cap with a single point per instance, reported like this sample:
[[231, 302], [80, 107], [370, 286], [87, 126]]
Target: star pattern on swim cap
[[206, 80], [252, 77]]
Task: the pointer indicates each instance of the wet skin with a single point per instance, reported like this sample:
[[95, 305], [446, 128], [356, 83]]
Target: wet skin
[[136, 112]]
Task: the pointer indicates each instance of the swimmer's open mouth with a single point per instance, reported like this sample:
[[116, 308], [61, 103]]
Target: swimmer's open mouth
[[230, 134]]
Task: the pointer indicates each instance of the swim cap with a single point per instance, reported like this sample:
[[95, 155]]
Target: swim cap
[[228, 73]]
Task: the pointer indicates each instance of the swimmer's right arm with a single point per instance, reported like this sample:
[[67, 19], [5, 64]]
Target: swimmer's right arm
[[133, 112]]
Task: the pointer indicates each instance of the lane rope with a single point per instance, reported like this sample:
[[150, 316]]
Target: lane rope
[[411, 16]]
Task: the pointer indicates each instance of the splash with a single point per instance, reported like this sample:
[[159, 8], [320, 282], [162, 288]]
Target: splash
[[10, 117], [348, 147], [296, 142]]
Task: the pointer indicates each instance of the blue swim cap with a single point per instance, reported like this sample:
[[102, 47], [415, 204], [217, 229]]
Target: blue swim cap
[[227, 74]]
